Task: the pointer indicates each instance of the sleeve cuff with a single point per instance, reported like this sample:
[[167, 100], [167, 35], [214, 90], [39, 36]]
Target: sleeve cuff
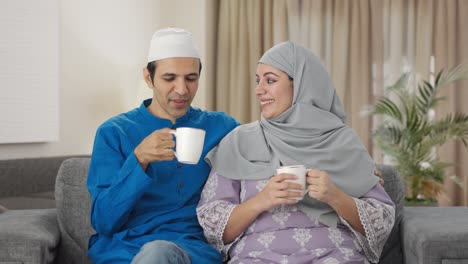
[[131, 165]]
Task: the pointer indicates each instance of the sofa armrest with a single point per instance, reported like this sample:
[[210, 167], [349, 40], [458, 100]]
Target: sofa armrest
[[29, 236], [433, 235], [73, 205]]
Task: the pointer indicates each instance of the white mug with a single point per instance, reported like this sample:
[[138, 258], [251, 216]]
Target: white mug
[[189, 144], [300, 171]]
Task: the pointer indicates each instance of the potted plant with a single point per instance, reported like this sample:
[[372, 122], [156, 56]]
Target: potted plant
[[409, 131]]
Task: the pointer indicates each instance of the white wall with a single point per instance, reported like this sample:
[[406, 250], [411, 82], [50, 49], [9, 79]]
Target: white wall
[[103, 48]]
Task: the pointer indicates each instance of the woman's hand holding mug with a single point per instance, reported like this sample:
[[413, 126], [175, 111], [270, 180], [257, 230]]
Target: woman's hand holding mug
[[321, 186], [279, 190]]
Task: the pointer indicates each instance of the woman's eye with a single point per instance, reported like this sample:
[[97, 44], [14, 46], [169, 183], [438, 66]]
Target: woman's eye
[[257, 81], [168, 79], [270, 81]]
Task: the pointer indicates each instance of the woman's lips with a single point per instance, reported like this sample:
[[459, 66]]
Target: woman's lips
[[266, 102]]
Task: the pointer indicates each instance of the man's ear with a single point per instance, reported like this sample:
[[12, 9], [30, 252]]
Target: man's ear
[[147, 77]]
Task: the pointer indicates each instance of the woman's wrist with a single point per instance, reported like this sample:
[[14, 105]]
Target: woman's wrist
[[255, 204], [339, 199]]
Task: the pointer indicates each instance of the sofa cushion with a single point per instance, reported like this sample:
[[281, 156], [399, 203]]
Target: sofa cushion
[[39, 200], [73, 206], [2, 209], [31, 175], [28, 236]]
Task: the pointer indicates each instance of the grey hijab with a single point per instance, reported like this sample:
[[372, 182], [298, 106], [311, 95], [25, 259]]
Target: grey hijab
[[312, 132]]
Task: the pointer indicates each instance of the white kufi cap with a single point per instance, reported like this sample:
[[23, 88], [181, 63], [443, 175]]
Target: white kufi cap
[[172, 43]]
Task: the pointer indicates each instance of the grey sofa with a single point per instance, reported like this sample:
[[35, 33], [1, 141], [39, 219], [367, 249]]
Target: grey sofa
[[29, 231], [421, 235]]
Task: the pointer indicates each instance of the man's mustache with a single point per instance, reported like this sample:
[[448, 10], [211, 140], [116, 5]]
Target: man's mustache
[[176, 97]]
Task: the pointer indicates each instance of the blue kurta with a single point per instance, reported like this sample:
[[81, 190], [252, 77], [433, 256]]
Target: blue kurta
[[130, 206]]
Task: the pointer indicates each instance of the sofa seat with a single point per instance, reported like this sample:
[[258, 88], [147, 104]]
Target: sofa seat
[[29, 236]]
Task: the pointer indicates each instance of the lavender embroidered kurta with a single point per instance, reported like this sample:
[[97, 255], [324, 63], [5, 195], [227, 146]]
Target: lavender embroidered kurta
[[286, 234]]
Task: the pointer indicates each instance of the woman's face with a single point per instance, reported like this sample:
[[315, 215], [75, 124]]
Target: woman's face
[[274, 90]]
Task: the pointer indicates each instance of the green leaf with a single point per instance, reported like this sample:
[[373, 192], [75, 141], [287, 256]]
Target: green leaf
[[388, 108]]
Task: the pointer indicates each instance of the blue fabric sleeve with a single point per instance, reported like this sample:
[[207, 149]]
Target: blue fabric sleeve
[[115, 182]]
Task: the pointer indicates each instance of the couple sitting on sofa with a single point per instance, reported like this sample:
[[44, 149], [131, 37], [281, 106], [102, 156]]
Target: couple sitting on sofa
[[146, 206]]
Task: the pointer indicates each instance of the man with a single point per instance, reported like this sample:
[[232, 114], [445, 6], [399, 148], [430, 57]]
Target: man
[[143, 199]]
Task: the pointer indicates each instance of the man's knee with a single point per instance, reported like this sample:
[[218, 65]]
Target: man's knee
[[163, 252]]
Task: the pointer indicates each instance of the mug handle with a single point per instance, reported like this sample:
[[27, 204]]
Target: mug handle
[[307, 171], [174, 132]]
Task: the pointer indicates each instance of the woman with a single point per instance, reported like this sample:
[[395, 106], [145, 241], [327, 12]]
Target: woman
[[250, 214]]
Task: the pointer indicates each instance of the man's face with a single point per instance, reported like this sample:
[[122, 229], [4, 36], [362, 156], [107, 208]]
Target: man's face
[[174, 86]]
